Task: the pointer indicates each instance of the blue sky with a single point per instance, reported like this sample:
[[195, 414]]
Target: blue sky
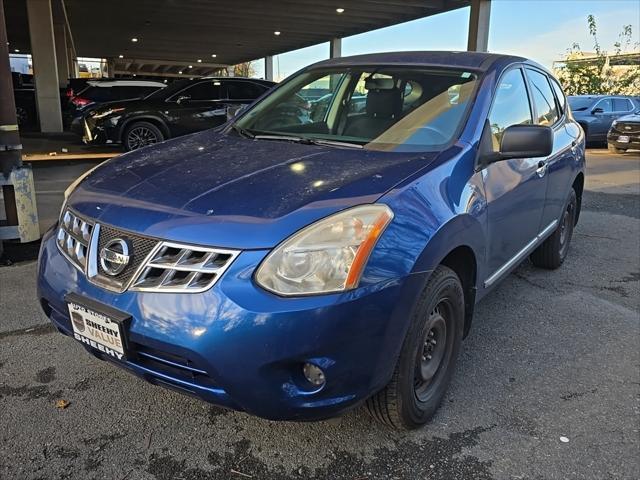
[[539, 29]]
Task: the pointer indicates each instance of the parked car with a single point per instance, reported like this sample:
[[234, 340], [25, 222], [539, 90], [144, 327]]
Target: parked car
[[183, 107], [596, 113], [298, 271], [624, 133]]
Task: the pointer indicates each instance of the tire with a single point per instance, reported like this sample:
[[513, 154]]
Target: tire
[[614, 149], [141, 134], [425, 366], [552, 252]]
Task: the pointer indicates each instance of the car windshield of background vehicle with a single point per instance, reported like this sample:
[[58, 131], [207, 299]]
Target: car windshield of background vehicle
[[399, 109]]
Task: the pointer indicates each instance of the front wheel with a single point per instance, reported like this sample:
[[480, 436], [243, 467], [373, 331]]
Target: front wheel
[[552, 252], [141, 134], [428, 356]]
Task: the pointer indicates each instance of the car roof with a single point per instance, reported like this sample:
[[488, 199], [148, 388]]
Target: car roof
[[478, 61], [125, 83]]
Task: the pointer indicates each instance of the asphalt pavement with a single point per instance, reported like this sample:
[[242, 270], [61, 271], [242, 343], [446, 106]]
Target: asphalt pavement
[[548, 385]]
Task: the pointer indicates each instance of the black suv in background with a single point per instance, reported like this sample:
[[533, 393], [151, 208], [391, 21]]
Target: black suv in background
[[180, 108]]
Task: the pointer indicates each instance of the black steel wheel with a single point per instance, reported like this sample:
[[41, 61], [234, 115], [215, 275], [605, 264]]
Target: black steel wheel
[[553, 251], [428, 356], [141, 134]]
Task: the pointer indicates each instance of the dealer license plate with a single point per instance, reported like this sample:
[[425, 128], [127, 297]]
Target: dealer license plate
[[623, 139], [97, 329]]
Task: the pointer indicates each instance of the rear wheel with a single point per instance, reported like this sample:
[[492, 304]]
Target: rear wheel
[[428, 356], [614, 149], [141, 134], [552, 252]]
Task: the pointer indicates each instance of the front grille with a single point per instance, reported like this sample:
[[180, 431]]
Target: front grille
[[74, 235], [183, 268], [628, 127], [140, 249], [152, 266]]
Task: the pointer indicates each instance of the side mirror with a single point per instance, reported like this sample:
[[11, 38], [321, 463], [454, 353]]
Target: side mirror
[[183, 99], [597, 110], [523, 141]]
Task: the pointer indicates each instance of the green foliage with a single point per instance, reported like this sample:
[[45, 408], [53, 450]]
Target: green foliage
[[596, 76]]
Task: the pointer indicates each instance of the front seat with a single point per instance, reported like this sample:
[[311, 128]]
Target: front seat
[[383, 108]]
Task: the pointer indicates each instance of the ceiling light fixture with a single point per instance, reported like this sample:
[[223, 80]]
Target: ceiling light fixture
[[180, 72], [199, 60], [120, 56], [190, 66], [16, 50], [213, 55], [340, 10], [134, 39], [276, 32]]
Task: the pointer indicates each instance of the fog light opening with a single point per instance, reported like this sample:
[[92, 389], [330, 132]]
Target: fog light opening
[[313, 374]]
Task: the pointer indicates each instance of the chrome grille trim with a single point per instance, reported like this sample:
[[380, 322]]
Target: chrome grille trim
[[179, 268], [73, 238]]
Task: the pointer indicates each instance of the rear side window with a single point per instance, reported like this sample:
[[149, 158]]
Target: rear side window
[[562, 100], [622, 105], [243, 90], [510, 105], [98, 94], [547, 112]]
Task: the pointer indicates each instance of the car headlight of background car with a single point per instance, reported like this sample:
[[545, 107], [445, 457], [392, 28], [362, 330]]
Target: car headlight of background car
[[327, 256]]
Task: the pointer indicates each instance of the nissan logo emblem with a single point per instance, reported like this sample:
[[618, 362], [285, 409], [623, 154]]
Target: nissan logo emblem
[[114, 256]]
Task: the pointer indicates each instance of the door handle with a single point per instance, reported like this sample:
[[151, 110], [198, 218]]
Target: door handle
[[542, 168]]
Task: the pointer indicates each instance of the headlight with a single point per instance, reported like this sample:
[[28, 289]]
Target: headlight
[[327, 256], [615, 122], [107, 112]]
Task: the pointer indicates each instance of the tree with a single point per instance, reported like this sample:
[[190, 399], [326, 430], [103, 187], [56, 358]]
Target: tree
[[245, 69], [583, 74]]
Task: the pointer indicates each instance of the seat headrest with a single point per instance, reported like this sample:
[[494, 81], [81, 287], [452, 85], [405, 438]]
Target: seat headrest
[[384, 103], [384, 83]]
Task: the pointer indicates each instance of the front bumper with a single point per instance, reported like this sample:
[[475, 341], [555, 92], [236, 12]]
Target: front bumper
[[238, 346], [613, 138]]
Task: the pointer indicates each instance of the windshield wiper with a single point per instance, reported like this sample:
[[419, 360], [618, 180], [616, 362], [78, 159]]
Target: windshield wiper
[[243, 132], [308, 141]]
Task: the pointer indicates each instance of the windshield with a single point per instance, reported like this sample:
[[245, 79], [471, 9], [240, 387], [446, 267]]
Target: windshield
[[579, 104], [382, 108]]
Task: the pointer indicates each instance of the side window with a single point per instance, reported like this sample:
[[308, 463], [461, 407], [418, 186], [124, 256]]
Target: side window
[[547, 112], [243, 90], [562, 100], [510, 105], [606, 104], [209, 90], [622, 105]]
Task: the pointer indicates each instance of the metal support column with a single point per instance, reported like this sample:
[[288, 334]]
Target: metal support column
[[335, 48], [20, 220], [479, 18], [268, 67]]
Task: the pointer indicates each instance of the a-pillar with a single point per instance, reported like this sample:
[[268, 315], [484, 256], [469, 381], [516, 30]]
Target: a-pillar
[[45, 69], [479, 19]]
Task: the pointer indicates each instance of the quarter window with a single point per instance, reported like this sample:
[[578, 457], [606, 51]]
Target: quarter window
[[510, 106], [562, 100], [547, 112]]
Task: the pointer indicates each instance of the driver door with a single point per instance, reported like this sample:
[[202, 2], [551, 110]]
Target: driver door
[[515, 189]]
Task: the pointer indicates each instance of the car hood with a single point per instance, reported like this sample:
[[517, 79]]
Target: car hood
[[224, 190], [631, 118]]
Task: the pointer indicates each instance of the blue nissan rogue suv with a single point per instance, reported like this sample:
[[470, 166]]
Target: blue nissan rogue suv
[[295, 266]]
